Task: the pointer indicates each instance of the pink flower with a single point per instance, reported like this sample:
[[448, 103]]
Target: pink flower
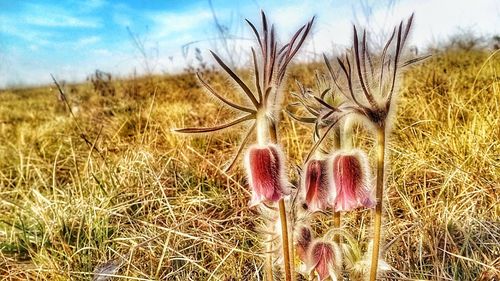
[[304, 238], [350, 178], [325, 258], [317, 185], [265, 171]]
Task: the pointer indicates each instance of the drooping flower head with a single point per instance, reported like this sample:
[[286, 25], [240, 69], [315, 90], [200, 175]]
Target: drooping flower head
[[351, 181], [317, 185], [266, 175], [304, 238], [325, 259]]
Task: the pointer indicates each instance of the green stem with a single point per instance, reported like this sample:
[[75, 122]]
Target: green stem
[[378, 207]]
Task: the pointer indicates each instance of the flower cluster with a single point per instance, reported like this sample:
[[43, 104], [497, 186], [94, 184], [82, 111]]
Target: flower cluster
[[320, 256], [340, 181], [334, 178]]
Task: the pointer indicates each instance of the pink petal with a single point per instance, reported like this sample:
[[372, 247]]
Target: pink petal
[[317, 186], [366, 197], [304, 239], [325, 259], [350, 178], [265, 173]]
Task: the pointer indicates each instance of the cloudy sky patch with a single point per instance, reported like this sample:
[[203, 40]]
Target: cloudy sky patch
[[71, 39]]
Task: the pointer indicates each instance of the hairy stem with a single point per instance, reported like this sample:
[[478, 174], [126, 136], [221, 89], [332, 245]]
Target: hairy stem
[[336, 138], [337, 144], [264, 133], [284, 224], [282, 209], [378, 207], [284, 234], [347, 141], [272, 132]]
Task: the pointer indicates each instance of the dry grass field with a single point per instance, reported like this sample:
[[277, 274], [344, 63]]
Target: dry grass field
[[111, 190]]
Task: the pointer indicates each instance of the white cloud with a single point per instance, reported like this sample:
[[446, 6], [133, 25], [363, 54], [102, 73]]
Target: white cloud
[[168, 23], [52, 16], [61, 20], [90, 5], [38, 25], [436, 21], [121, 19], [331, 28], [292, 16], [86, 41], [123, 15], [42, 38], [101, 52]]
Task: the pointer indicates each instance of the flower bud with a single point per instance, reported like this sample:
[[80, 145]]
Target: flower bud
[[325, 258], [317, 185], [265, 171], [304, 238], [351, 183]]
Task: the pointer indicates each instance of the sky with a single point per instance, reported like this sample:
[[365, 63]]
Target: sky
[[71, 39]]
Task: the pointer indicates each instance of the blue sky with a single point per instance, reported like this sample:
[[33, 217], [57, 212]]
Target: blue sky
[[73, 38]]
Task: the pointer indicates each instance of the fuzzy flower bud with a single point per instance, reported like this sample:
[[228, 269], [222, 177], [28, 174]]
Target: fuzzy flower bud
[[351, 181], [325, 258], [317, 185], [265, 171], [304, 238]]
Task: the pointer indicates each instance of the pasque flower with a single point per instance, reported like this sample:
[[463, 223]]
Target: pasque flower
[[265, 171], [351, 181], [264, 162], [304, 238], [317, 185], [368, 81], [325, 259]]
